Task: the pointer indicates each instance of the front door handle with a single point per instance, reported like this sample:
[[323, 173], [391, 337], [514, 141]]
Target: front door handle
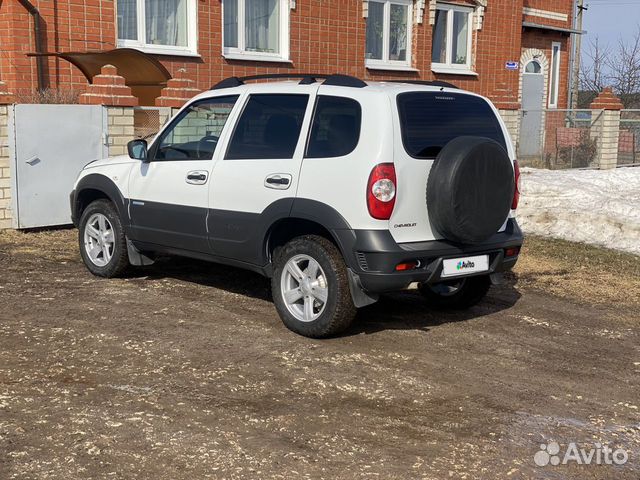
[[279, 181], [197, 177]]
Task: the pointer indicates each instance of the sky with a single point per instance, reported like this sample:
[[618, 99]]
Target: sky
[[611, 20]]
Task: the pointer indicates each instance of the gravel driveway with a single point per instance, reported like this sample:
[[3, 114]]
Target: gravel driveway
[[184, 370]]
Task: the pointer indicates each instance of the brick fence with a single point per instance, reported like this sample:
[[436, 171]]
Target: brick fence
[[5, 173], [596, 137]]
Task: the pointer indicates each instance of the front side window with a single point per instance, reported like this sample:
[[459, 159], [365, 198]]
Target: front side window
[[388, 38], [157, 26], [335, 131], [255, 28], [194, 134], [452, 38], [430, 120], [269, 127]]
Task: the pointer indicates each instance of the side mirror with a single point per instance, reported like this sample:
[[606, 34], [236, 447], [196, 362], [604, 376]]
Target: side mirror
[[137, 149]]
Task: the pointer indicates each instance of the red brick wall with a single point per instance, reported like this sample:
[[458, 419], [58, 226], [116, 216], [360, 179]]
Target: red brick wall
[[69, 25], [329, 37], [325, 36], [551, 5]]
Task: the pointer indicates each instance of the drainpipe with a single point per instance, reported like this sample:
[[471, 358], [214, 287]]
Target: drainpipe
[[37, 21]]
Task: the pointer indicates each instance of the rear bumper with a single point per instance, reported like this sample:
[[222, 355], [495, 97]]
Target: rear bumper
[[373, 255]]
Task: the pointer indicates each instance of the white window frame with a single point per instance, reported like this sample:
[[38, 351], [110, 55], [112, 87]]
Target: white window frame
[[449, 66], [240, 53], [140, 44], [554, 74], [385, 63]]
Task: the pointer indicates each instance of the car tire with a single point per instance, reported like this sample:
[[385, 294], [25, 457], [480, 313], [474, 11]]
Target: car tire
[[103, 244], [456, 294], [313, 299]]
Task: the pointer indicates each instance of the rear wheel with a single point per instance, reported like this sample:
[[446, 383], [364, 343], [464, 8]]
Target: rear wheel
[[310, 287], [103, 245], [459, 293]]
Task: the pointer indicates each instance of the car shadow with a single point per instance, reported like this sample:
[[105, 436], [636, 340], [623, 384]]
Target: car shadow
[[408, 310], [405, 310], [222, 277]]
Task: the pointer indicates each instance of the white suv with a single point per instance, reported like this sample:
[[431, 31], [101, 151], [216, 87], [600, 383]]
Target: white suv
[[336, 189]]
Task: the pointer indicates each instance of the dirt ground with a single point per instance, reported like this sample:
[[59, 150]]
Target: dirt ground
[[184, 370]]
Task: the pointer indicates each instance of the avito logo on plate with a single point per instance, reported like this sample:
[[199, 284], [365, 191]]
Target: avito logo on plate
[[462, 265]]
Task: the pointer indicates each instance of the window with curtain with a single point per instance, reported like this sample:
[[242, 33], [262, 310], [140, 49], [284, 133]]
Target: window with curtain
[[388, 36], [451, 39], [256, 28], [158, 26]]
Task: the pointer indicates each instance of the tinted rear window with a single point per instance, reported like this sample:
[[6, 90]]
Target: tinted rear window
[[430, 120], [336, 127]]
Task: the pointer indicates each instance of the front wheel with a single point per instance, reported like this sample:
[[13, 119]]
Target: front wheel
[[310, 287], [458, 293], [103, 245]]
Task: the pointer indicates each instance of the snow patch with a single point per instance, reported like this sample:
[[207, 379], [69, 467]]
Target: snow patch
[[600, 207]]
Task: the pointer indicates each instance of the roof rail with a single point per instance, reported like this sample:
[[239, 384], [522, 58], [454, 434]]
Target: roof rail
[[433, 83], [306, 79]]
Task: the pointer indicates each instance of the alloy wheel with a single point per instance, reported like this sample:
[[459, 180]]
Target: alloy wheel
[[304, 288], [99, 239]]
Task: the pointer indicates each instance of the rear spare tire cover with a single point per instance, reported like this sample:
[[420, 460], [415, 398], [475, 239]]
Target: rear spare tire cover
[[470, 189]]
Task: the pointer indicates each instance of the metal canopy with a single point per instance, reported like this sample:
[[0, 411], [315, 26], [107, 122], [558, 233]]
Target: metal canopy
[[143, 73], [566, 31]]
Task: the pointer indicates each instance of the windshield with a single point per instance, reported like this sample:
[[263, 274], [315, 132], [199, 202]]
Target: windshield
[[429, 120]]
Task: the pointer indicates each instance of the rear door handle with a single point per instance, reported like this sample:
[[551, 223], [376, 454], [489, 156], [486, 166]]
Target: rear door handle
[[279, 181], [197, 177]]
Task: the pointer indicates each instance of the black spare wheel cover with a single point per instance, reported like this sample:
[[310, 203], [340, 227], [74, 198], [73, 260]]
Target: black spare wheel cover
[[470, 189]]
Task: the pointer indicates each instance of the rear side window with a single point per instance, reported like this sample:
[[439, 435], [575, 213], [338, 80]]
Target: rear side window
[[336, 127], [269, 127], [430, 120]]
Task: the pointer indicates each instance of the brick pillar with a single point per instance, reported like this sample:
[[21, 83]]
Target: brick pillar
[[609, 127], [120, 129], [178, 90], [509, 110], [511, 118], [6, 99], [109, 89]]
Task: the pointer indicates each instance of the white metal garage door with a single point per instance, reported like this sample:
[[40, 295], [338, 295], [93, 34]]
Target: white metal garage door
[[49, 146]]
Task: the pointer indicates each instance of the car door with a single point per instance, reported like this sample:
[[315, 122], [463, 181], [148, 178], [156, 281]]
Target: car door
[[257, 179], [169, 192]]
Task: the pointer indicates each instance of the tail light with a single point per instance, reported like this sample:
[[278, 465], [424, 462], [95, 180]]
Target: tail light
[[516, 192], [511, 251], [381, 191], [404, 266]]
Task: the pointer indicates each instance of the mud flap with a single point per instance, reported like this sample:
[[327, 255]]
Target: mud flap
[[358, 295], [137, 258]]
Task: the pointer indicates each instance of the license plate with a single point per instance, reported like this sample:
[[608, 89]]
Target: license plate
[[465, 266]]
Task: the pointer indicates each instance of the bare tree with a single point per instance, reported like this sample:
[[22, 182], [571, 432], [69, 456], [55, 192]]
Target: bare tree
[[617, 67], [593, 73], [624, 67]]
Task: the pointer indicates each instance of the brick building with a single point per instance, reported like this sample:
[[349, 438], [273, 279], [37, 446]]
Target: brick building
[[488, 46]]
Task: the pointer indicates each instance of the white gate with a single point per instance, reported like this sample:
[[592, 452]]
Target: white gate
[[49, 145]]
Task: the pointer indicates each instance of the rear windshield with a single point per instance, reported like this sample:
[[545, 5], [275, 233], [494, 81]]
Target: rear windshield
[[430, 120]]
